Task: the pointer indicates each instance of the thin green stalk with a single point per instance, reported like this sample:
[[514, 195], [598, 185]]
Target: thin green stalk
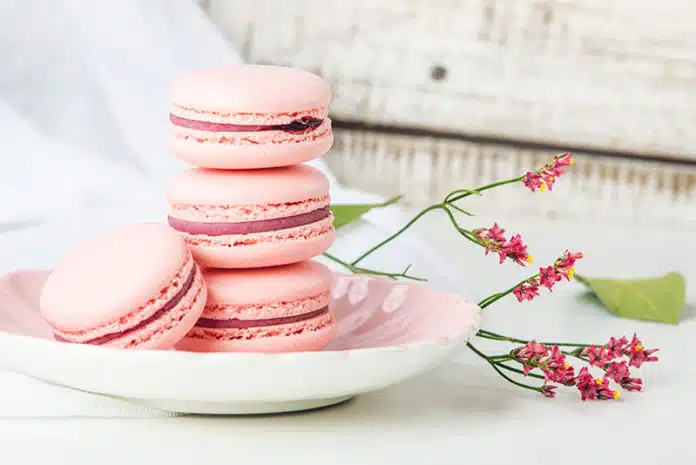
[[521, 372], [360, 270], [448, 202], [461, 191], [396, 234], [459, 209], [516, 383], [495, 367], [464, 232], [499, 337], [483, 302], [478, 190], [496, 297]]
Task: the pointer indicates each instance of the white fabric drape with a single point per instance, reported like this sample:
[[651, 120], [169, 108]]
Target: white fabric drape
[[83, 118]]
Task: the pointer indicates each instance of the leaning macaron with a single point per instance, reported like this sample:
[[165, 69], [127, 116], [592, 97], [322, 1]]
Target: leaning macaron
[[252, 218], [249, 116], [133, 287], [279, 309]]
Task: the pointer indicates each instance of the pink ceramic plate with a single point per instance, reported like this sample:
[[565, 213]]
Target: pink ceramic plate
[[387, 332]]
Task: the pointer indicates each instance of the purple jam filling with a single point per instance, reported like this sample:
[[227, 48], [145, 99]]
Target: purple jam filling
[[158, 314], [249, 227], [306, 123], [236, 323]]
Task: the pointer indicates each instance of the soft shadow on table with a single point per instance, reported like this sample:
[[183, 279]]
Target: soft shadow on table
[[688, 313], [447, 393], [16, 225]]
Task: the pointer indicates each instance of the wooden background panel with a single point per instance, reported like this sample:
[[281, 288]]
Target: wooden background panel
[[606, 189], [616, 75]]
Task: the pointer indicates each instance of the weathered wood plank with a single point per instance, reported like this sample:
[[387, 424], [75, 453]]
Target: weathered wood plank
[[601, 74], [608, 189]]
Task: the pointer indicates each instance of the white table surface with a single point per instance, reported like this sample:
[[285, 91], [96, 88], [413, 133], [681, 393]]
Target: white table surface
[[461, 412]]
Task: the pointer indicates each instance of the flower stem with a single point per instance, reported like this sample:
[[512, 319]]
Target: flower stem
[[464, 232], [521, 372], [495, 367], [360, 270], [396, 234], [496, 297], [440, 206], [478, 190], [499, 337]]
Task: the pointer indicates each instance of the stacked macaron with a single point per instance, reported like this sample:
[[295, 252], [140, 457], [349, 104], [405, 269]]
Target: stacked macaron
[[233, 270], [251, 213]]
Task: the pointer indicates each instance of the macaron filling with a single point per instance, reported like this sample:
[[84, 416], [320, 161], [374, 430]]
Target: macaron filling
[[155, 316], [304, 124], [249, 227], [236, 323]]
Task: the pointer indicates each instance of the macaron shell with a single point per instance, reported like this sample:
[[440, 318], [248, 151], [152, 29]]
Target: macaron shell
[[250, 88], [304, 342], [164, 333], [248, 156], [114, 274], [259, 286], [262, 254], [200, 186]]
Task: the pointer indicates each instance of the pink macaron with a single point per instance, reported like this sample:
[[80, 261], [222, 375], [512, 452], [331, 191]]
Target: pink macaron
[[278, 309], [133, 287], [249, 116], [252, 218]]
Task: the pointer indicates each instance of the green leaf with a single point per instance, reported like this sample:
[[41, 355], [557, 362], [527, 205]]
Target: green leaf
[[344, 214], [654, 299]]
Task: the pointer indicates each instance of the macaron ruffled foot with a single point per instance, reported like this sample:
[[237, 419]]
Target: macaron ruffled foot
[[135, 287], [278, 309]]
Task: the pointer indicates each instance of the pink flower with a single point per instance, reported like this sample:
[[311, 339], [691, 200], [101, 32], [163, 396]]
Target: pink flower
[[516, 250], [530, 350], [631, 384], [554, 170], [592, 388], [548, 277], [534, 182], [604, 392], [564, 159], [568, 259], [556, 357], [548, 174], [494, 233], [615, 347], [526, 292], [555, 367], [493, 240], [564, 374], [586, 384], [548, 391], [597, 356], [634, 346], [550, 360], [565, 265], [529, 355], [642, 356], [618, 371], [638, 354]]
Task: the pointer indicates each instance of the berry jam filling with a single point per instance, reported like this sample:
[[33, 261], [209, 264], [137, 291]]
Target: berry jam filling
[[304, 124], [236, 323], [249, 227]]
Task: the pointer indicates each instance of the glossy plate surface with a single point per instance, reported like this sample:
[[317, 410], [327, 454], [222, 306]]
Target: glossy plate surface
[[388, 332]]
